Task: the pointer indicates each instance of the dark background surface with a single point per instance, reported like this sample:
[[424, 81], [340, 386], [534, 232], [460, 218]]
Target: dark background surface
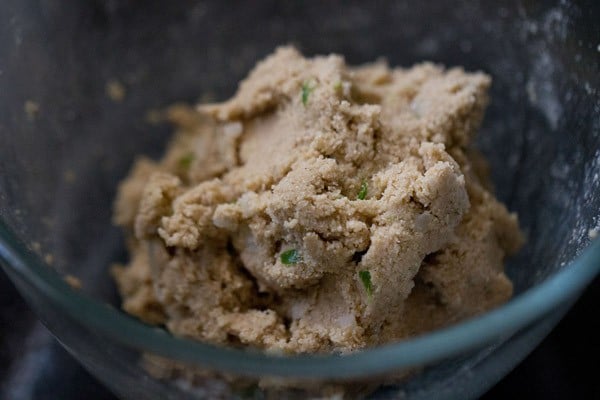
[[34, 366]]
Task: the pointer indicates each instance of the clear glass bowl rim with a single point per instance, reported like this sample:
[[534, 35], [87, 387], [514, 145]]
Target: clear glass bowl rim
[[114, 325]]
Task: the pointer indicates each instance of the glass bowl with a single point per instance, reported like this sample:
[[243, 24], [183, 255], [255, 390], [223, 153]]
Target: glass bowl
[[79, 83]]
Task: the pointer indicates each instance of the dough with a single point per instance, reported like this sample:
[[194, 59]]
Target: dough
[[322, 208]]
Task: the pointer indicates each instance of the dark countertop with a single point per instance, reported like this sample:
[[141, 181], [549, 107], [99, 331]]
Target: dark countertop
[[34, 366]]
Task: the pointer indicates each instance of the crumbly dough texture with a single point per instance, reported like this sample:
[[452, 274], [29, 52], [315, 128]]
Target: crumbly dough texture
[[279, 167]]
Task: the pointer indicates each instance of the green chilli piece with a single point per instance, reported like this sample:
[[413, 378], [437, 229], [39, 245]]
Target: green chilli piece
[[306, 91], [291, 256], [365, 277], [362, 193], [186, 160]]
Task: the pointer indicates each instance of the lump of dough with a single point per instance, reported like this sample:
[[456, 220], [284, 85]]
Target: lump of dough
[[322, 208]]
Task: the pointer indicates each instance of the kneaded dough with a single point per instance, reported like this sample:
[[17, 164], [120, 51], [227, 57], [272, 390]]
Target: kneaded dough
[[322, 208]]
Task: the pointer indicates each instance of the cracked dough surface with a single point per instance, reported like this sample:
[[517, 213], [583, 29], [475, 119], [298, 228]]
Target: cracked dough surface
[[279, 168]]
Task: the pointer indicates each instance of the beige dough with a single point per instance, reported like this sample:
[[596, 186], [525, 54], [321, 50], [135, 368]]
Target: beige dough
[[322, 208]]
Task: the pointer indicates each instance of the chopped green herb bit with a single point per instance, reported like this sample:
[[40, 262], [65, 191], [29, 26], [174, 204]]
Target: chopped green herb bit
[[187, 160], [291, 256], [306, 91], [337, 86], [362, 193], [365, 277]]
